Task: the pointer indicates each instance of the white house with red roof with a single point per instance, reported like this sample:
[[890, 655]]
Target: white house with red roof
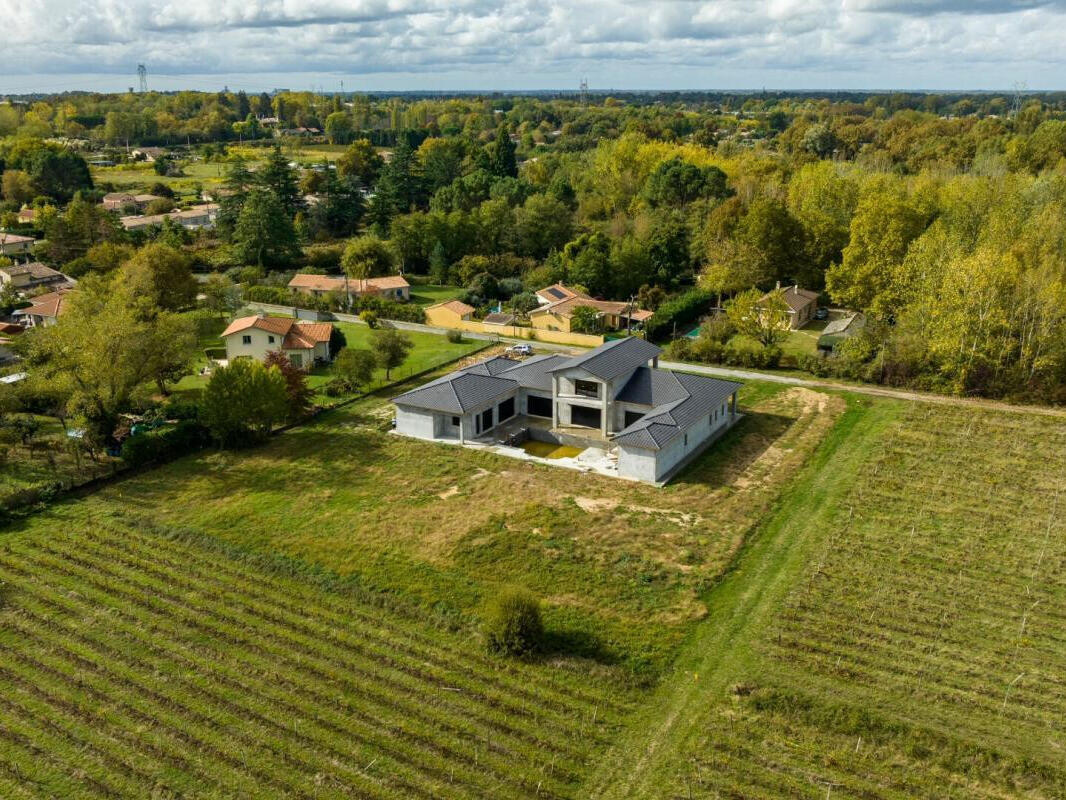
[[305, 343]]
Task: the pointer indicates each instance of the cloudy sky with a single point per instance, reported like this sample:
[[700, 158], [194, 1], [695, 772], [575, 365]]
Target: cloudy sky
[[50, 45]]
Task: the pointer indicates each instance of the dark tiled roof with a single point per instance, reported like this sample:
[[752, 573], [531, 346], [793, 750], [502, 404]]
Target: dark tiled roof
[[458, 393], [492, 366], [535, 373], [498, 318], [614, 358], [666, 422]]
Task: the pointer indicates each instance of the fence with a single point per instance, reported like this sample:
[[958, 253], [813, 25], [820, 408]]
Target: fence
[[476, 327]]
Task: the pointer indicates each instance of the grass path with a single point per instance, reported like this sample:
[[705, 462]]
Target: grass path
[[740, 608]]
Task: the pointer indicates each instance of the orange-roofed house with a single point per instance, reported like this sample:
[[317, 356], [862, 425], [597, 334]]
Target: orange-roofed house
[[305, 343], [46, 309], [390, 287], [557, 304], [448, 314]]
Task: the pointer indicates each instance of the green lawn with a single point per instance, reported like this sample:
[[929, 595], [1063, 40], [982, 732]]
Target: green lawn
[[430, 294], [430, 350], [129, 177], [796, 344]]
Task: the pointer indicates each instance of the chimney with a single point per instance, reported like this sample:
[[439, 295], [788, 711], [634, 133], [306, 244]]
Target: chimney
[[778, 285]]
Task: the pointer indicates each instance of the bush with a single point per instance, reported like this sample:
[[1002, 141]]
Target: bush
[[165, 444], [268, 294], [512, 623], [454, 336], [677, 312], [369, 317]]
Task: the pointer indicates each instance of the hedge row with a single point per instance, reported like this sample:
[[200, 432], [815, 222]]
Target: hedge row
[[677, 312]]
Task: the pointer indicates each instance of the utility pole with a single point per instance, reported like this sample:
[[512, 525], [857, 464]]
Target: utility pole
[[584, 89]]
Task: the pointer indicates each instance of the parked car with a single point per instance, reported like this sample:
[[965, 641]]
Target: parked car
[[821, 313], [520, 350]]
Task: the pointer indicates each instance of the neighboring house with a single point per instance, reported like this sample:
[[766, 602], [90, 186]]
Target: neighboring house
[[32, 275], [15, 246], [802, 303], [46, 309], [117, 201], [194, 218], [840, 329], [27, 216], [557, 304], [305, 343], [613, 398], [448, 313], [392, 287], [149, 154]]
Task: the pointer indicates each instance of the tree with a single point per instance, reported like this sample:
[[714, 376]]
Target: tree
[[401, 186], [820, 140], [502, 161], [392, 347], [17, 187], [368, 257], [59, 174], [221, 294], [70, 235], [280, 179], [355, 367], [299, 394], [676, 182], [243, 401], [106, 346], [343, 207], [264, 234], [585, 319], [360, 161], [764, 319], [339, 127], [542, 224], [161, 275], [881, 232], [587, 261]]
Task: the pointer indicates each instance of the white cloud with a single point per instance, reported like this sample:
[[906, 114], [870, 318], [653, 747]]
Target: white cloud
[[521, 43]]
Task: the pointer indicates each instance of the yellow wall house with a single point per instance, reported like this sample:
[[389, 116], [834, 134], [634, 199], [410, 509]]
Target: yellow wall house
[[303, 342], [558, 303], [448, 314]]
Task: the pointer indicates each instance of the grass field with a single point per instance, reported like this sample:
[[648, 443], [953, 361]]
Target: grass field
[[895, 630], [430, 294]]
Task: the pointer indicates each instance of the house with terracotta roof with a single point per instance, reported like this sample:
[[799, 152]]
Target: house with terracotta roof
[[449, 313], [117, 201], [305, 343], [390, 287], [46, 309], [557, 304], [613, 402], [802, 303], [27, 216]]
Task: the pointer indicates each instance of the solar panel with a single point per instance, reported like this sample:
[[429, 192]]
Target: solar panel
[[556, 293]]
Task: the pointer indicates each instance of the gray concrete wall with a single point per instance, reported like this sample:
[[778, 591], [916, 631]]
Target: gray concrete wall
[[416, 422]]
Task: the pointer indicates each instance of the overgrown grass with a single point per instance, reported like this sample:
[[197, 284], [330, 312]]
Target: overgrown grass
[[619, 566]]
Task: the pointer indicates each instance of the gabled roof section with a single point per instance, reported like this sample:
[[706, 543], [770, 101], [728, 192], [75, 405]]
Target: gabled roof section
[[664, 423], [492, 366], [556, 292], [278, 325], [614, 358], [795, 297], [456, 306], [535, 372], [458, 393]]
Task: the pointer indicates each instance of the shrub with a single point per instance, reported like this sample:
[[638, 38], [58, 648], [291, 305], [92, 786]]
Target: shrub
[[512, 623], [676, 312], [165, 444], [454, 336], [369, 317]]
